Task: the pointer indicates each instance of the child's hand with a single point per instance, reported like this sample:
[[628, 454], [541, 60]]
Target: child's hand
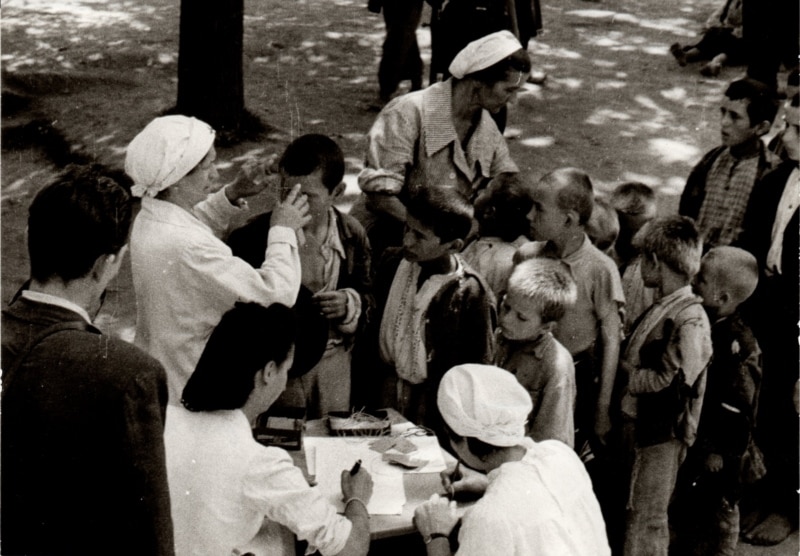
[[602, 426], [332, 305], [714, 463], [254, 176]]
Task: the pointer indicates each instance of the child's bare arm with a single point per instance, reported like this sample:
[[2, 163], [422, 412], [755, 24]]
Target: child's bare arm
[[610, 328]]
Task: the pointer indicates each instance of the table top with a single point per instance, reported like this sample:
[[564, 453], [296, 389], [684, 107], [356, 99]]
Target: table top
[[418, 486]]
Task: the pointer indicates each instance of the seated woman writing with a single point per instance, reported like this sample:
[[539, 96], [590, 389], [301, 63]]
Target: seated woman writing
[[222, 482], [539, 499], [442, 136]]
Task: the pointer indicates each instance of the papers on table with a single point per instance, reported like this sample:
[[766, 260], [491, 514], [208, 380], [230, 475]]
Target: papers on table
[[327, 457]]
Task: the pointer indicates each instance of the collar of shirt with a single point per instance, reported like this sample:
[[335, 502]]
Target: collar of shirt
[[538, 346], [332, 240], [680, 292], [48, 299], [577, 255], [439, 130]]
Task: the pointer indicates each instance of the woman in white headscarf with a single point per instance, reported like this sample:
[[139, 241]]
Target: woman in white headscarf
[[442, 136], [184, 277], [539, 499]]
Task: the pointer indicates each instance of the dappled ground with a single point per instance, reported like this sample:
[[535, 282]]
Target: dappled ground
[[82, 77]]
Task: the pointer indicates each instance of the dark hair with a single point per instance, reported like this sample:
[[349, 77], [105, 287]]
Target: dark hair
[[309, 152], [445, 211], [519, 61], [795, 102], [633, 198], [477, 447], [503, 210], [762, 101], [247, 338], [575, 191], [78, 218]]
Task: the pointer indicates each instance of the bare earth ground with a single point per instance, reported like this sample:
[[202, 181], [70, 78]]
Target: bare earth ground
[[96, 71]]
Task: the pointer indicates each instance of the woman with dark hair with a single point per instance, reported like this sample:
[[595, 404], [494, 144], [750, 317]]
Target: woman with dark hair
[[223, 484], [443, 136]]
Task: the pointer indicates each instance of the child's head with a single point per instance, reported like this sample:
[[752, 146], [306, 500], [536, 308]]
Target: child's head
[[562, 204], [316, 162], [502, 210], [438, 221], [670, 244], [727, 277], [539, 291], [635, 204], [747, 111], [603, 226]]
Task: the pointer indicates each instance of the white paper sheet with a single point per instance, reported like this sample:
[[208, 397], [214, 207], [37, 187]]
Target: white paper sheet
[[332, 455]]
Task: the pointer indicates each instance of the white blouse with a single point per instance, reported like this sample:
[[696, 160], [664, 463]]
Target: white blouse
[[223, 484]]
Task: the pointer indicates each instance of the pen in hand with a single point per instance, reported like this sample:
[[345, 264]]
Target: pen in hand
[[456, 476], [355, 468]]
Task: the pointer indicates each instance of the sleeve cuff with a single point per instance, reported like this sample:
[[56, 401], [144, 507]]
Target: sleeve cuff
[[350, 322], [372, 180], [281, 234]]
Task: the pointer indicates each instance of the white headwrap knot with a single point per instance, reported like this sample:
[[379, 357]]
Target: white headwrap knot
[[484, 402], [483, 53], [165, 151]]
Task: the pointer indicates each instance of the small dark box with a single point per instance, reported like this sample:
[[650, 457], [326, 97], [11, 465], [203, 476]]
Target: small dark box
[[281, 427]]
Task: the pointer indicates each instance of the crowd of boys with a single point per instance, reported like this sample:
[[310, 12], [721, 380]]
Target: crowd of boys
[[665, 355]]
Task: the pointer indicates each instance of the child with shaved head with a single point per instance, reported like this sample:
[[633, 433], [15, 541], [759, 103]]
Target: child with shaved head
[[710, 522], [539, 292]]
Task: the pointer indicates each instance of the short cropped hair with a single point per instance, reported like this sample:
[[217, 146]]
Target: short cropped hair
[[762, 102], [517, 62], [79, 217], [314, 151], [444, 211], [634, 198], [503, 211], [675, 241], [575, 191], [734, 269], [603, 226], [247, 338], [547, 283]]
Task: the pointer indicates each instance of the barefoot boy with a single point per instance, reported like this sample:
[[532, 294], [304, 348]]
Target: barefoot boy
[[728, 276], [665, 361], [539, 291]]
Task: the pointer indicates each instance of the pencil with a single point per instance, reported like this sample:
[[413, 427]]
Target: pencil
[[355, 468]]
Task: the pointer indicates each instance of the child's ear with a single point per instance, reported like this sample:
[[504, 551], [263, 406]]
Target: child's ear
[[572, 219], [338, 191], [549, 326], [456, 245], [762, 128], [724, 297]]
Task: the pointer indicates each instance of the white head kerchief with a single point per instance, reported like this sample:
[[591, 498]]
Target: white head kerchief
[[165, 151], [483, 53], [484, 402]]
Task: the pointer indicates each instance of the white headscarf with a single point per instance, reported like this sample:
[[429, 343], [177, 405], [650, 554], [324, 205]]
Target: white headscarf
[[483, 53], [165, 151], [484, 402]]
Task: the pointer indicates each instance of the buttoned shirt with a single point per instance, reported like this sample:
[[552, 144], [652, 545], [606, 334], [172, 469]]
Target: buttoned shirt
[[223, 484], [413, 144], [185, 278], [728, 186], [545, 368], [541, 505]]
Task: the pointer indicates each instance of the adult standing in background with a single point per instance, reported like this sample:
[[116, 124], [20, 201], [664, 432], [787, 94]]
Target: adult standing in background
[[83, 460], [184, 277], [443, 136], [401, 59]]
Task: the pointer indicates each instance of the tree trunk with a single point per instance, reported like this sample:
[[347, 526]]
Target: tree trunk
[[210, 80]]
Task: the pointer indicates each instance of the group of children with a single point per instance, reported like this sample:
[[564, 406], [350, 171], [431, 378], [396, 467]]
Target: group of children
[[626, 329]]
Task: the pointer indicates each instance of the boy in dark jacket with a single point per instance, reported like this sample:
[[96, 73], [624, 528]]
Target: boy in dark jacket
[[335, 263]]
